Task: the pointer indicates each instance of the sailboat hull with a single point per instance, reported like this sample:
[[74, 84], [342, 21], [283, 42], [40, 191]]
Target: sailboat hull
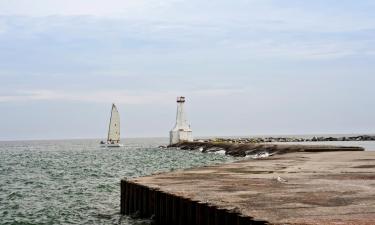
[[116, 145]]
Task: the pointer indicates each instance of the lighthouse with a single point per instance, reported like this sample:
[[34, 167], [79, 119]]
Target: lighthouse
[[181, 131]]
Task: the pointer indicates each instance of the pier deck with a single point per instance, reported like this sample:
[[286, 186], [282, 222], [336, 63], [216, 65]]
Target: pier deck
[[295, 188]]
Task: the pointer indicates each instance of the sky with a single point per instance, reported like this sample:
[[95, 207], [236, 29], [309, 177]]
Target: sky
[[255, 67]]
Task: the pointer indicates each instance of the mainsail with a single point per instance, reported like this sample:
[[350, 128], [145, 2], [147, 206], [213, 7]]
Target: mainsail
[[114, 126]]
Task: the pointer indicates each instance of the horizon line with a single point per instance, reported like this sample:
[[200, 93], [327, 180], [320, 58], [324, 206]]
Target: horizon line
[[196, 137]]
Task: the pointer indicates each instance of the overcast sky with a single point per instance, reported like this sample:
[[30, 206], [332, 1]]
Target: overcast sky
[[246, 67]]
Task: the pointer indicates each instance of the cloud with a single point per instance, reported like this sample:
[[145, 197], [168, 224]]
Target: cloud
[[108, 96], [85, 45], [289, 15], [111, 8]]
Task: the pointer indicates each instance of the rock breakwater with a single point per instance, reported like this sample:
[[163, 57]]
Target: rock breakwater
[[255, 150], [243, 140]]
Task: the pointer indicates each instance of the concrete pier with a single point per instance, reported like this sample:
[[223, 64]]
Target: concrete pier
[[295, 188]]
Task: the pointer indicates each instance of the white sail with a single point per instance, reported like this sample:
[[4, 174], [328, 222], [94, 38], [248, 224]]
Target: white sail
[[114, 126]]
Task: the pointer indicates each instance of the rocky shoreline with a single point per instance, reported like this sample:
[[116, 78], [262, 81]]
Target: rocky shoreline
[[287, 139], [255, 150]]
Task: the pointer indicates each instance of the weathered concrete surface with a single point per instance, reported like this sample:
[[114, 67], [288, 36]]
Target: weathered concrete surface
[[320, 188]]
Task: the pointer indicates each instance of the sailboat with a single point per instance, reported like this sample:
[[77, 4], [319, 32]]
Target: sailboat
[[113, 139]]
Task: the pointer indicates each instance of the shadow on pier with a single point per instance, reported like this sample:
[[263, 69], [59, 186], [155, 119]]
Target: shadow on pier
[[168, 209]]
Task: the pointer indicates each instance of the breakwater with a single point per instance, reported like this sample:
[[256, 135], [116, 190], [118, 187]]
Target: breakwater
[[254, 149], [243, 140], [295, 188]]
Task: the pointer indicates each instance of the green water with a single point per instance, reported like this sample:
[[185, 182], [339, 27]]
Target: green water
[[77, 182]]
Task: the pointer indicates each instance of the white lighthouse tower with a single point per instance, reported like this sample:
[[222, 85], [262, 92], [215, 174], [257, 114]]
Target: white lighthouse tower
[[181, 131]]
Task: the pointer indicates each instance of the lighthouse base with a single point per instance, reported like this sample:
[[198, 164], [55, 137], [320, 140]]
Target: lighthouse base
[[180, 136]]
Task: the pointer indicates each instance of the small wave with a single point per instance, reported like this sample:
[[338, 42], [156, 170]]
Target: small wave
[[105, 187], [259, 155], [14, 195], [220, 152]]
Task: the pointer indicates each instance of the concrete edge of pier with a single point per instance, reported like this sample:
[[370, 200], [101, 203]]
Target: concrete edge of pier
[[169, 209]]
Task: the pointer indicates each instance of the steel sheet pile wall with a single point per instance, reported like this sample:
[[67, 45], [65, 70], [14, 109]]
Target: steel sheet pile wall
[[169, 209]]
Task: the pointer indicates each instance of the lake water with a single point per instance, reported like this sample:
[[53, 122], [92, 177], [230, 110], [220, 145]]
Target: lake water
[[76, 181]]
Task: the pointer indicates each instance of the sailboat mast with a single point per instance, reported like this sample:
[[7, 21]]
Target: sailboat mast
[[110, 121]]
